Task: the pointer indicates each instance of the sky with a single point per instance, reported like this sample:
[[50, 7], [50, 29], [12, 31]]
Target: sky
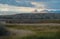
[[28, 5]]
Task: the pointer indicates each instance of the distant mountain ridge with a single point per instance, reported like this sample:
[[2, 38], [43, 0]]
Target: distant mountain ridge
[[32, 16]]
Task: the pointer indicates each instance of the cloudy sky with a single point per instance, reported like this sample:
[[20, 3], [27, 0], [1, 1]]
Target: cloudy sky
[[28, 5]]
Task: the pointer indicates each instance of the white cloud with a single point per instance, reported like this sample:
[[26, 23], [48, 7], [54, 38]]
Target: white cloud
[[40, 5], [5, 7]]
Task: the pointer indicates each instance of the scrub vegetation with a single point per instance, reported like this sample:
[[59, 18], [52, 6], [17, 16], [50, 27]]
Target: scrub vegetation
[[41, 32]]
